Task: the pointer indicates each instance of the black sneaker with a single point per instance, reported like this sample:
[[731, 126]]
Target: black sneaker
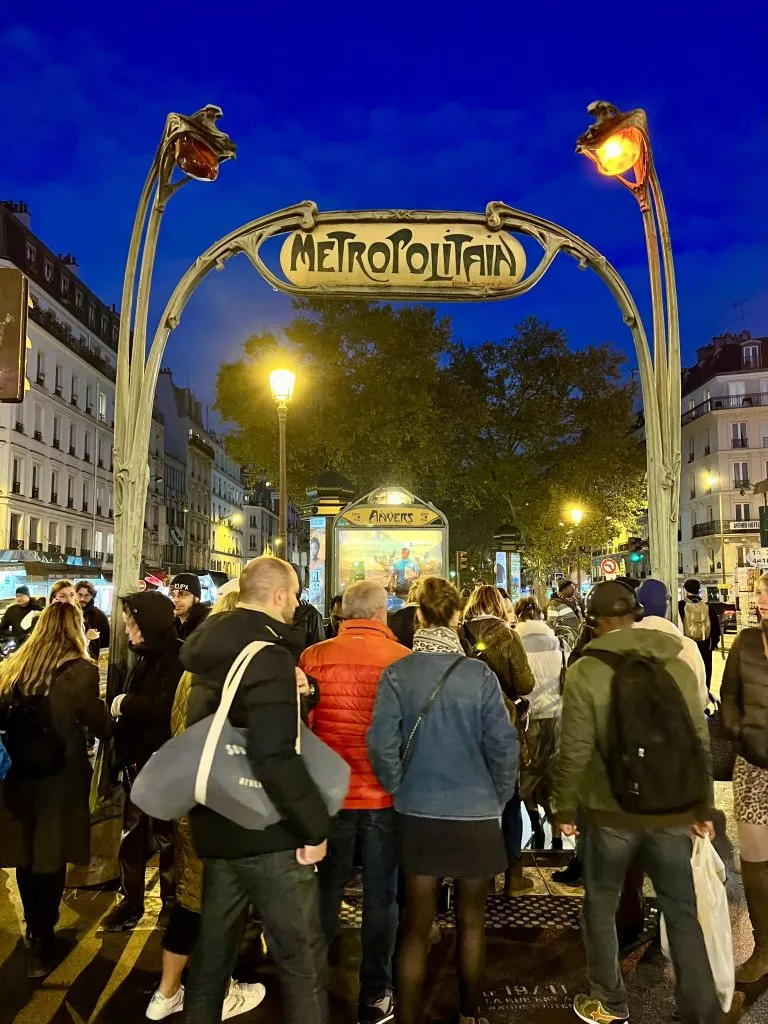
[[570, 875], [42, 958], [379, 1012], [122, 918]]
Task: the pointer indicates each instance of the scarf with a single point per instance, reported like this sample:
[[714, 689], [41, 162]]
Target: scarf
[[437, 640]]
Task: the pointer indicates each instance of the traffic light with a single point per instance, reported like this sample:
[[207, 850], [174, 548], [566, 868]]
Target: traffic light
[[636, 553], [14, 298], [463, 563]]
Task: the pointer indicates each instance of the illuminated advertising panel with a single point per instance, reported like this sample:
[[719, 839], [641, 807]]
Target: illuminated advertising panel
[[395, 557], [317, 563]]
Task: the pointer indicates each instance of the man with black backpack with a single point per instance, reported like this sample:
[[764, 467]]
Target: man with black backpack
[[634, 754]]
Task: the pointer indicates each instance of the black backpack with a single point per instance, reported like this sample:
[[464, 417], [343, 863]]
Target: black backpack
[[656, 762], [35, 748]]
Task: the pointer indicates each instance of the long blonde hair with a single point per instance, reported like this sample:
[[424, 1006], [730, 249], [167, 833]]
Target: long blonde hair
[[485, 600], [58, 636]]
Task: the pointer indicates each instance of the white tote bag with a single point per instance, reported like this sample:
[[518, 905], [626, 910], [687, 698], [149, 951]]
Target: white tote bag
[[714, 918]]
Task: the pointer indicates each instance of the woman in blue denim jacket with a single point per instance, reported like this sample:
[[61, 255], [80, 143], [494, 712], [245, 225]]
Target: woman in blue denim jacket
[[451, 769]]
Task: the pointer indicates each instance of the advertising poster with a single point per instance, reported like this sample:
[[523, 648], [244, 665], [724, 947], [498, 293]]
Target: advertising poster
[[513, 588], [317, 563], [501, 569], [394, 557]]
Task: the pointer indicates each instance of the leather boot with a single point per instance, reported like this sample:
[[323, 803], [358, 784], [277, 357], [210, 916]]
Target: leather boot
[[755, 879], [515, 881]]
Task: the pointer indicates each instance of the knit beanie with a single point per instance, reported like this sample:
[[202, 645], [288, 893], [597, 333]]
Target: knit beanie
[[188, 581]]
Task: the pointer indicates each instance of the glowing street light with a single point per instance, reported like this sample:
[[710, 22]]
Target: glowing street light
[[576, 514], [282, 383]]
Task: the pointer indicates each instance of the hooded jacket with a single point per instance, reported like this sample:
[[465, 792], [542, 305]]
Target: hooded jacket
[[265, 705], [150, 686], [198, 613], [744, 694], [690, 653], [545, 656], [582, 776], [348, 669]]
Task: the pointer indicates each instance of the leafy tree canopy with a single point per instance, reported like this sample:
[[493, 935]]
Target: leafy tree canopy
[[514, 430]]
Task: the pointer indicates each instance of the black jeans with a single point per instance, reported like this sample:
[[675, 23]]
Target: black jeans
[[705, 649], [375, 832], [41, 896], [666, 856], [512, 828], [285, 894]]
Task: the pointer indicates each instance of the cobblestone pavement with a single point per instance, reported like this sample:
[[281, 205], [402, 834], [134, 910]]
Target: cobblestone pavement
[[535, 960]]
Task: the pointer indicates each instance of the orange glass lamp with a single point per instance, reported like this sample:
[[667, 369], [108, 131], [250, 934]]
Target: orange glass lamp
[[619, 153], [617, 143]]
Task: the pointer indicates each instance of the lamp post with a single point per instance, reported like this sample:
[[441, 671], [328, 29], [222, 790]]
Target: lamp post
[[576, 515], [710, 480], [195, 147], [619, 145], [282, 383]]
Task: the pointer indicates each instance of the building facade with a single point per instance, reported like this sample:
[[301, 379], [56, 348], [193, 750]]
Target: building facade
[[724, 454], [227, 521]]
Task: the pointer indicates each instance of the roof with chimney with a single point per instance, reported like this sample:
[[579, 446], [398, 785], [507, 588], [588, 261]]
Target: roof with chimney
[[728, 353]]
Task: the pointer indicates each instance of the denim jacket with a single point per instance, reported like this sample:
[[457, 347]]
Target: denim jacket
[[465, 754]]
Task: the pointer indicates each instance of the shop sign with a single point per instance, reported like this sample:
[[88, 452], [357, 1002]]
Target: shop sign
[[392, 515], [408, 255]]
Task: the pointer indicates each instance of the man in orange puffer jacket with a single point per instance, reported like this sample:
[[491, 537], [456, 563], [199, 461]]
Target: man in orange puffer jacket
[[347, 669]]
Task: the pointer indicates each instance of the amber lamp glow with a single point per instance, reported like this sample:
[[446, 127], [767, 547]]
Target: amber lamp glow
[[619, 153], [282, 383], [196, 159]]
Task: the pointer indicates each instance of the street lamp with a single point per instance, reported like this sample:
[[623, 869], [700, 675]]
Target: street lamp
[[282, 383], [194, 146], [619, 145], [576, 515], [710, 479]]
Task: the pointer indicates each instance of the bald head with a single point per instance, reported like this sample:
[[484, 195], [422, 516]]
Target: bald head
[[366, 599], [269, 584]]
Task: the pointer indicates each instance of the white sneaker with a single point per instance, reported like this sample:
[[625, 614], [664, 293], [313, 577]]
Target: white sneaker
[[161, 1006], [242, 999]]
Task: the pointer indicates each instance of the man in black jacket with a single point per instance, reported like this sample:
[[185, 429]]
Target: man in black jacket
[[273, 868], [306, 616], [186, 594], [94, 618], [15, 613], [143, 724]]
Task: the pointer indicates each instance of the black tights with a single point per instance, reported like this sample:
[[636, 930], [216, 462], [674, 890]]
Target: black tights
[[420, 910], [41, 897]]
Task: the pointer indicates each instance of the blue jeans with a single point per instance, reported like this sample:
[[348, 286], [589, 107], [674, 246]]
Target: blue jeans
[[512, 828], [374, 831], [665, 855], [285, 894]]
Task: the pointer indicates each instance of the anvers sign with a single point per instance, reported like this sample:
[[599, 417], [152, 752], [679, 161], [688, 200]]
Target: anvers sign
[[402, 255], [392, 515]]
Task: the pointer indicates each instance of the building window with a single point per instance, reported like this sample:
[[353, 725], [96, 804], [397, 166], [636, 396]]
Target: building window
[[31, 253], [692, 485], [79, 298], [696, 563], [72, 439], [16, 476], [65, 286], [740, 475], [742, 512], [70, 535], [56, 432], [750, 357], [740, 560], [75, 390], [691, 449], [91, 315], [35, 481], [48, 270], [54, 488], [739, 435], [41, 367], [53, 534], [102, 407], [104, 324]]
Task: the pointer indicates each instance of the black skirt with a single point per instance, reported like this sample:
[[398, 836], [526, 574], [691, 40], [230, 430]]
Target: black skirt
[[451, 849]]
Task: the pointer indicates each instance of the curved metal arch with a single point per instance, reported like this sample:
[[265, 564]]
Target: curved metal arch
[[553, 238]]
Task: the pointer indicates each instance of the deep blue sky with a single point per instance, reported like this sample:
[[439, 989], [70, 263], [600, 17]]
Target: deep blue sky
[[407, 105]]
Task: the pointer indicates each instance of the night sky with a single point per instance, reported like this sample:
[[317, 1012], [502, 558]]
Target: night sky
[[396, 105]]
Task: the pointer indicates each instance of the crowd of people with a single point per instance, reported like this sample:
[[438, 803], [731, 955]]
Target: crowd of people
[[456, 715]]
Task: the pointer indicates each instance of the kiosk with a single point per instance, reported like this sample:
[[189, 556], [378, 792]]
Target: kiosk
[[392, 536]]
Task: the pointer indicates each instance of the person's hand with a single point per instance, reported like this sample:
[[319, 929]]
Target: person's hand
[[569, 830], [302, 683], [307, 855], [703, 830], [116, 705], [92, 634]]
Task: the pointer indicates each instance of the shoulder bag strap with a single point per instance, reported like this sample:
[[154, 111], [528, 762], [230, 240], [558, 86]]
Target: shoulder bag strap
[[230, 688], [407, 754]]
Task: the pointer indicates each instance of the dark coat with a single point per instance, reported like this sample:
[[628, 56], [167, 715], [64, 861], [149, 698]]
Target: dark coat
[[308, 618], [95, 618], [46, 823], [744, 695], [403, 624], [144, 724], [265, 705], [498, 645], [198, 613], [12, 616]]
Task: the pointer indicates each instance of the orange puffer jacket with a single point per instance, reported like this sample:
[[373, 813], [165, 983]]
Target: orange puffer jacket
[[347, 670]]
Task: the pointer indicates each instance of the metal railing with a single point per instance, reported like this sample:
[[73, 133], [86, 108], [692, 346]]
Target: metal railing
[[722, 403]]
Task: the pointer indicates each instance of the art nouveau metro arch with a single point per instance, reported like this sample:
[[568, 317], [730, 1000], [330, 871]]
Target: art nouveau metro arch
[[407, 255]]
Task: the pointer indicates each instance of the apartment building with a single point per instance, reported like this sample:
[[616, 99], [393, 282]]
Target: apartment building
[[227, 519], [724, 454]]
